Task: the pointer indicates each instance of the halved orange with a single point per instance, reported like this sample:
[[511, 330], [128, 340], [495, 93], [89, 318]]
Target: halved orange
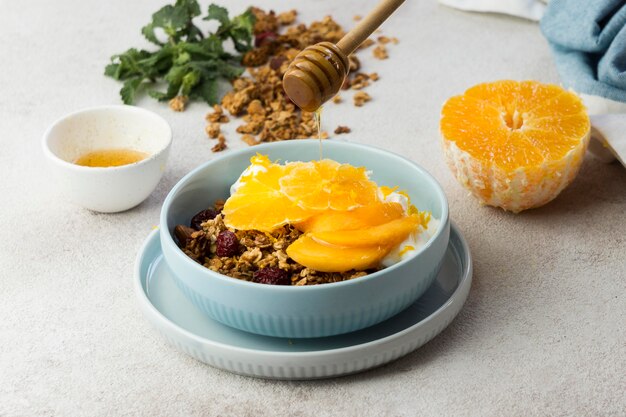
[[515, 145]]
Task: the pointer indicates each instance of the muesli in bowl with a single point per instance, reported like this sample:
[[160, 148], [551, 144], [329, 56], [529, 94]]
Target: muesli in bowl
[[313, 240], [305, 223]]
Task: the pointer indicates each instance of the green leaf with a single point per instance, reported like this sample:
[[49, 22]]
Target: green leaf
[[148, 33], [176, 74], [190, 63], [190, 80], [158, 63], [242, 30], [129, 90], [176, 21], [207, 91], [182, 58], [112, 70], [239, 29], [218, 13], [229, 71]]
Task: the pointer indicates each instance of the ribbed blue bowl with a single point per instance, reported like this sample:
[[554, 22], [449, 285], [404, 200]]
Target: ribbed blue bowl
[[306, 311]]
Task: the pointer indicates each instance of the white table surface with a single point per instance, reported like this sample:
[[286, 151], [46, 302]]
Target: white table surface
[[543, 331]]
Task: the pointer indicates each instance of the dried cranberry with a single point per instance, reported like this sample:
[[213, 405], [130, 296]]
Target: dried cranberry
[[201, 217], [272, 276], [227, 244], [264, 37], [277, 62]]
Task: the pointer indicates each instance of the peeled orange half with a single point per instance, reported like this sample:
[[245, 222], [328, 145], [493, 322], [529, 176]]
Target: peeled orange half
[[515, 145]]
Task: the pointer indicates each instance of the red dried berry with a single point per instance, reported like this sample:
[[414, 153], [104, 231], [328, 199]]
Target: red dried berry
[[227, 244], [272, 276], [201, 217], [277, 61], [264, 38]]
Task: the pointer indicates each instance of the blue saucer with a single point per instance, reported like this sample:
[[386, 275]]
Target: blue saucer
[[211, 342]]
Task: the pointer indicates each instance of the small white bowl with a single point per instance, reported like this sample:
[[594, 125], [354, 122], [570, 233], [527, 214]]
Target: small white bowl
[[108, 189]]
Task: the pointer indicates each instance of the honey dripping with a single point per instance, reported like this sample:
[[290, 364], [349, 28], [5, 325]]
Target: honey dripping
[[318, 122]]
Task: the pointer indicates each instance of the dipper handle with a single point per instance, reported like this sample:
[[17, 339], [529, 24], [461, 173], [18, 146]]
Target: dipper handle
[[369, 24]]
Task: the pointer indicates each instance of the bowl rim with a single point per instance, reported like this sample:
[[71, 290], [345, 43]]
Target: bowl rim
[[95, 109], [444, 221]]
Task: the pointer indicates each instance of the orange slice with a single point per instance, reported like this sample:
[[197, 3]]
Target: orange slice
[[359, 218], [329, 258], [327, 184], [515, 145], [388, 234], [258, 204]]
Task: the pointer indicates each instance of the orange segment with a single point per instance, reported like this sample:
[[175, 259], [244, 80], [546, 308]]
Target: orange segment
[[346, 224], [325, 258], [259, 204], [514, 144], [320, 185], [389, 234], [359, 218]]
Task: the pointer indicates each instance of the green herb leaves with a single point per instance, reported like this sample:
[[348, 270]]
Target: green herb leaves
[[190, 63]]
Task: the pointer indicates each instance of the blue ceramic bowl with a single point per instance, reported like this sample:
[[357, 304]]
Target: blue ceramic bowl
[[304, 311]]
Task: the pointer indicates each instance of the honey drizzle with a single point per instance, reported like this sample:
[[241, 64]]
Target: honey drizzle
[[318, 122]]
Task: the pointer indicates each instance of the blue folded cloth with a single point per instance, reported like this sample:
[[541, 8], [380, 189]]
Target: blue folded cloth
[[588, 39]]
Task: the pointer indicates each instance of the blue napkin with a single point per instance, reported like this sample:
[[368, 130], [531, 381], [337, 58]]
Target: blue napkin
[[588, 39]]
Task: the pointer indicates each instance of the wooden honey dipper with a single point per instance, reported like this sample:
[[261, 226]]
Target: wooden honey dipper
[[317, 73]]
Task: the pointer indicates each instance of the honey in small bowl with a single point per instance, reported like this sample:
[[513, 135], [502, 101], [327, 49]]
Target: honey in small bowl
[[111, 158]]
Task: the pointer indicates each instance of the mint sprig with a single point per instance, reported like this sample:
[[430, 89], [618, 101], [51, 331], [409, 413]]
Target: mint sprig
[[189, 62]]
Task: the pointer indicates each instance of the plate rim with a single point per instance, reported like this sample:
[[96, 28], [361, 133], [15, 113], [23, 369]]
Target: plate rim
[[152, 313]]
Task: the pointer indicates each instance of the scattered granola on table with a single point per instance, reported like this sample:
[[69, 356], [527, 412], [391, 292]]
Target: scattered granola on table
[[360, 98], [213, 130], [220, 145], [178, 103], [258, 98], [380, 52]]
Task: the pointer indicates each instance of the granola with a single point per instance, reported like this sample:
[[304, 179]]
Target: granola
[[257, 250], [342, 129], [380, 52], [178, 103], [213, 130], [258, 98], [360, 98]]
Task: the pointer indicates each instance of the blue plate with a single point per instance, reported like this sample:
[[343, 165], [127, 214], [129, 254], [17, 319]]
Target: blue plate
[[211, 342]]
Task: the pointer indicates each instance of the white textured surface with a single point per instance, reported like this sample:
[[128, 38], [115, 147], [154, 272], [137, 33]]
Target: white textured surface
[[542, 332]]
